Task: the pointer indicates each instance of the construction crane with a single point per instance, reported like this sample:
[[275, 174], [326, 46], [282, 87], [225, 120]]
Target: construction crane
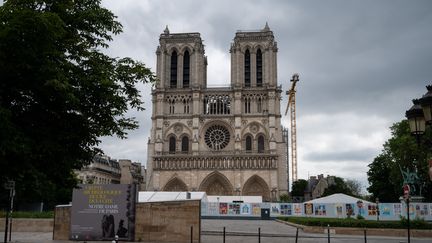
[[291, 104]]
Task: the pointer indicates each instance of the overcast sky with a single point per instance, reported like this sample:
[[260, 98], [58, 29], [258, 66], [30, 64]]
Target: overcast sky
[[360, 64]]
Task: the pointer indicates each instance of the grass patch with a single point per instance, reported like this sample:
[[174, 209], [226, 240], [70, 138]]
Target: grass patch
[[36, 215], [358, 223]]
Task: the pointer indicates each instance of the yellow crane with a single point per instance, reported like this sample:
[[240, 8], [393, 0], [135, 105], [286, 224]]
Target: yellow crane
[[291, 104]]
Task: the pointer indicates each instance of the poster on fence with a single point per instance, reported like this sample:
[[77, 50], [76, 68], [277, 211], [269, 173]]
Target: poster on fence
[[275, 210], [99, 212], [256, 209], [338, 209], [285, 209], [297, 209], [372, 210], [386, 210], [397, 209], [308, 208], [350, 209], [233, 208], [361, 208], [223, 208], [320, 210], [245, 208], [421, 209], [212, 208]]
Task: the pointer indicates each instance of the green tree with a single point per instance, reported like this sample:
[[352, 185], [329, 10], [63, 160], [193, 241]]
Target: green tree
[[400, 152], [299, 187], [59, 92], [339, 186]]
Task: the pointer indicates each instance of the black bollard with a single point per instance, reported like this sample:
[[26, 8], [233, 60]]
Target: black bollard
[[191, 234], [259, 235], [296, 235], [328, 233], [365, 235], [224, 235]]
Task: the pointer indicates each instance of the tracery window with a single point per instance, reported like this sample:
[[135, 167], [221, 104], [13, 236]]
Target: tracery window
[[260, 144], [186, 69], [217, 137], [259, 105], [217, 104], [247, 104], [248, 143], [185, 144], [173, 77], [247, 69], [186, 106], [172, 145], [259, 78]]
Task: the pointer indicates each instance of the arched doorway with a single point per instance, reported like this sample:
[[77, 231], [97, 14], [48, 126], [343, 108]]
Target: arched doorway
[[256, 186], [175, 185], [216, 184]]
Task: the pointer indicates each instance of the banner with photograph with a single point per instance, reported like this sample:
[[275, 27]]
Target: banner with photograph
[[100, 212]]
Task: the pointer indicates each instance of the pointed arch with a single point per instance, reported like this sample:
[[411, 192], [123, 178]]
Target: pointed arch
[[261, 143], [256, 186], [216, 184], [259, 66], [185, 144], [186, 69], [247, 68], [172, 144], [248, 143], [173, 70], [175, 185]]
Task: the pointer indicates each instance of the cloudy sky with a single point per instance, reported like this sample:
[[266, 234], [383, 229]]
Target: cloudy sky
[[360, 64]]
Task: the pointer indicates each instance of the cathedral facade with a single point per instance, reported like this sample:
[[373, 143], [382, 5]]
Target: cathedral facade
[[221, 140]]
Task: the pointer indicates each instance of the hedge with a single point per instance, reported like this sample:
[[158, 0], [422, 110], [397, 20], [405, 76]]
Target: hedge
[[358, 223]]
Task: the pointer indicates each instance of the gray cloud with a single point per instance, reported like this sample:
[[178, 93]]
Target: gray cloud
[[360, 64]]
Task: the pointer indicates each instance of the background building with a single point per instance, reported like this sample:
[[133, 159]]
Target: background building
[[102, 170], [221, 140], [131, 173]]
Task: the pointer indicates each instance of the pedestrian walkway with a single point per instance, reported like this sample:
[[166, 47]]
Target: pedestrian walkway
[[242, 231]]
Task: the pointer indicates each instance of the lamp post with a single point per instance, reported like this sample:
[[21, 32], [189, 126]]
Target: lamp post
[[419, 116]]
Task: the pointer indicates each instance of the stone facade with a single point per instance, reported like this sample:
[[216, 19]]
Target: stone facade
[[101, 170], [131, 173], [222, 140]]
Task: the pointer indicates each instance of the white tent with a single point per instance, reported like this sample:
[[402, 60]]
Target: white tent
[[156, 196], [337, 198], [230, 199]]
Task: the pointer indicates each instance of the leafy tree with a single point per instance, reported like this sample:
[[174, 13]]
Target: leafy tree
[[59, 92], [299, 187], [400, 152], [284, 198], [354, 187], [339, 186]]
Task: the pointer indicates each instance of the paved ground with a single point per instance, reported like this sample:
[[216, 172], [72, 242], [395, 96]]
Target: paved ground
[[242, 231]]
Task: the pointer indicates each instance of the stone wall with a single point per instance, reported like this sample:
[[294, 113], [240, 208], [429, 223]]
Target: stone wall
[[62, 223], [168, 221], [29, 225]]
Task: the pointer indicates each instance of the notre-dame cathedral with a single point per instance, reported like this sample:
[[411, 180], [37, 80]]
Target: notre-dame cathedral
[[221, 140]]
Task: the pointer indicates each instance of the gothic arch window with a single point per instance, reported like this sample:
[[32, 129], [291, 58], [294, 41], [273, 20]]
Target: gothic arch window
[[186, 69], [256, 186], [185, 144], [175, 185], [247, 69], [186, 106], [173, 77], [261, 144], [247, 104], [171, 106], [172, 144], [248, 143], [259, 65], [259, 105]]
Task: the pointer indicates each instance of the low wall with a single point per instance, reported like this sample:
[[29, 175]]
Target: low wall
[[62, 216], [168, 221], [29, 225]]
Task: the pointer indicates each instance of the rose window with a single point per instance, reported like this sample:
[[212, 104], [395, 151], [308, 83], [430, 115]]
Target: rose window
[[217, 137]]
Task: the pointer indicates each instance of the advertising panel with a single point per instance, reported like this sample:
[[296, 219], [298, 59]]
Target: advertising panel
[[100, 212]]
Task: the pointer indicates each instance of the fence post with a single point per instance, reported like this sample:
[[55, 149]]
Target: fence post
[[296, 235], [191, 234], [365, 235], [259, 235], [328, 233], [224, 235]]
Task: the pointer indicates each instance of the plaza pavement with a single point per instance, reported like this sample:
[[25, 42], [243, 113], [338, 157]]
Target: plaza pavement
[[242, 231]]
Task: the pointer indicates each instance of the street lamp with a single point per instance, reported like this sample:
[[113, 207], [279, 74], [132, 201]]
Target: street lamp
[[416, 120], [377, 208], [426, 104]]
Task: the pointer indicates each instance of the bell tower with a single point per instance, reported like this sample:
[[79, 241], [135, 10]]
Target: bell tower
[[181, 63], [254, 59]]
